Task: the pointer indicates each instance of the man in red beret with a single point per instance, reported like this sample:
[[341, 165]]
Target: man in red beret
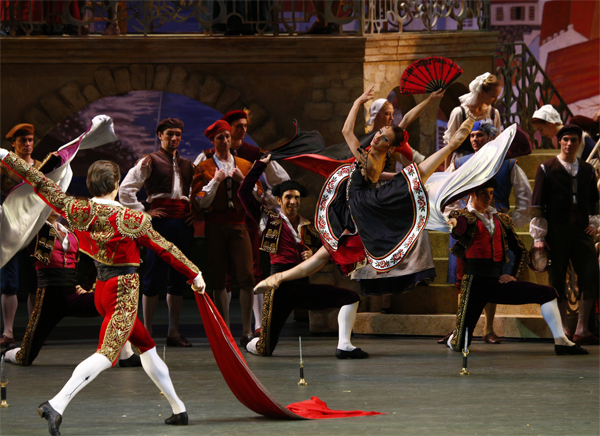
[[215, 195], [167, 178], [274, 174], [21, 139]]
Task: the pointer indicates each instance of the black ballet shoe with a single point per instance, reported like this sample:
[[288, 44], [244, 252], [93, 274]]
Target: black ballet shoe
[[133, 361], [46, 411], [179, 419], [357, 353], [573, 350]]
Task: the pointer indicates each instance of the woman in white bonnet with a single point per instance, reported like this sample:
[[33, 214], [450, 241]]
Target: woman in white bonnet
[[484, 92], [547, 121]]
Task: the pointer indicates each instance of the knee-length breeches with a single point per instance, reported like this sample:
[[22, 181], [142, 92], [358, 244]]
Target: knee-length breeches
[[477, 291], [298, 294], [52, 304], [117, 301]]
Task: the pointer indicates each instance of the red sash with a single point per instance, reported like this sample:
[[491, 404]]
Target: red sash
[[175, 208]]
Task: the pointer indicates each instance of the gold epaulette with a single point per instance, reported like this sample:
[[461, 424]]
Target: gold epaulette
[[133, 223], [80, 213]]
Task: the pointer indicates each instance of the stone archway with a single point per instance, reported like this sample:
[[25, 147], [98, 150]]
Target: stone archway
[[207, 89]]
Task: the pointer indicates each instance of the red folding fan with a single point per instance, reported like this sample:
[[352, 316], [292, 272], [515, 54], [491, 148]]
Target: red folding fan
[[428, 75]]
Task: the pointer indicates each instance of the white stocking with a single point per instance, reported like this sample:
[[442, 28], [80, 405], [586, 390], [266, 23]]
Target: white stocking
[[257, 309], [11, 355], [346, 319], [551, 315], [159, 373], [85, 372], [126, 351]]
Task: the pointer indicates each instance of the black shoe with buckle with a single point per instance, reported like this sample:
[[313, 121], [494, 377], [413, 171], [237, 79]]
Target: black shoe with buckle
[[357, 353], [179, 419], [46, 411], [573, 350]]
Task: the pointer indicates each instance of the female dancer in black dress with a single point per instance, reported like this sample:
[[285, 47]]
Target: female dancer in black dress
[[360, 223]]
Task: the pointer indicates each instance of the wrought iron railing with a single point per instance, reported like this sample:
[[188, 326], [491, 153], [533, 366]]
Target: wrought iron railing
[[526, 88], [260, 17]]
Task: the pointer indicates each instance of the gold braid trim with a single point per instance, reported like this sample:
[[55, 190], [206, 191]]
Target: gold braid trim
[[80, 213], [40, 183], [263, 345], [133, 223], [22, 356], [121, 322], [171, 248], [459, 328]]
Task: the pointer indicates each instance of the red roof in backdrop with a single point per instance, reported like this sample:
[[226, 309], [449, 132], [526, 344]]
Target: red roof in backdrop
[[574, 70], [558, 14]]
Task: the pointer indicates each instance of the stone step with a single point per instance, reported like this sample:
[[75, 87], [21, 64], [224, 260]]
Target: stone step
[[530, 163], [509, 326]]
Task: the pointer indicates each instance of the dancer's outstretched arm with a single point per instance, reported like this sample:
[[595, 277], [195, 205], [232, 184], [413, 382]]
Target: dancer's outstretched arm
[[304, 269], [429, 165], [414, 113], [348, 129]]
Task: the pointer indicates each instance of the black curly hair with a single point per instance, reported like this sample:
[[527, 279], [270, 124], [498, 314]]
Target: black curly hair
[[279, 189]]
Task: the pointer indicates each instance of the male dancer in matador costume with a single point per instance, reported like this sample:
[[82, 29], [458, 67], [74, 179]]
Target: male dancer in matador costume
[[111, 234], [290, 239], [56, 253], [483, 237]]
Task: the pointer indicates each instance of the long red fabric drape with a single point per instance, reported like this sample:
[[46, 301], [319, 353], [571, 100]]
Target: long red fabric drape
[[242, 382]]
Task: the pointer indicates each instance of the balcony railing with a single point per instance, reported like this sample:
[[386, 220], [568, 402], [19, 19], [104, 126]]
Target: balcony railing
[[259, 17], [526, 89]]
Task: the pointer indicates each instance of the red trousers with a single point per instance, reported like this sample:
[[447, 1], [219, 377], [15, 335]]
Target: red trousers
[[117, 301]]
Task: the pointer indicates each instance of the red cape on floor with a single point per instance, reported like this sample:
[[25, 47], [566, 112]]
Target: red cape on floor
[[242, 382]]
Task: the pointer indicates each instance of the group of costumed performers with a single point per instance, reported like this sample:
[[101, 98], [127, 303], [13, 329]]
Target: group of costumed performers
[[112, 235], [274, 174], [289, 238], [483, 237], [360, 222], [56, 253]]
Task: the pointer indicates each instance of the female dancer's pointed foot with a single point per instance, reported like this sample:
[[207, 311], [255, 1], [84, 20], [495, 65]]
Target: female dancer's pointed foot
[[46, 411], [179, 419], [269, 284]]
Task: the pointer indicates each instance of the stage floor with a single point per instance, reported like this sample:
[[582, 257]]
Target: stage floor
[[516, 388]]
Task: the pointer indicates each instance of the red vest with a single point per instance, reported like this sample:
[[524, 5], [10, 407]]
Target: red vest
[[485, 246]]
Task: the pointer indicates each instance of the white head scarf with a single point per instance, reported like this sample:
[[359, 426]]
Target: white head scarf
[[375, 108], [475, 88], [548, 114]]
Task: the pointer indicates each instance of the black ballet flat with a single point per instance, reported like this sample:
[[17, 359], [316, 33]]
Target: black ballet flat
[[573, 350], [179, 419], [357, 353], [46, 411], [133, 361]]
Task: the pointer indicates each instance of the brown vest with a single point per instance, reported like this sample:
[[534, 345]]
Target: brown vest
[[161, 172]]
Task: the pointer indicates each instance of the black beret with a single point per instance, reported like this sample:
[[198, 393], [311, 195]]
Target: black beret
[[288, 185], [569, 128]]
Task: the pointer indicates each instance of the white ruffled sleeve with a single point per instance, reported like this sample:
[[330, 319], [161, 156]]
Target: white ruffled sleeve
[[538, 228]]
